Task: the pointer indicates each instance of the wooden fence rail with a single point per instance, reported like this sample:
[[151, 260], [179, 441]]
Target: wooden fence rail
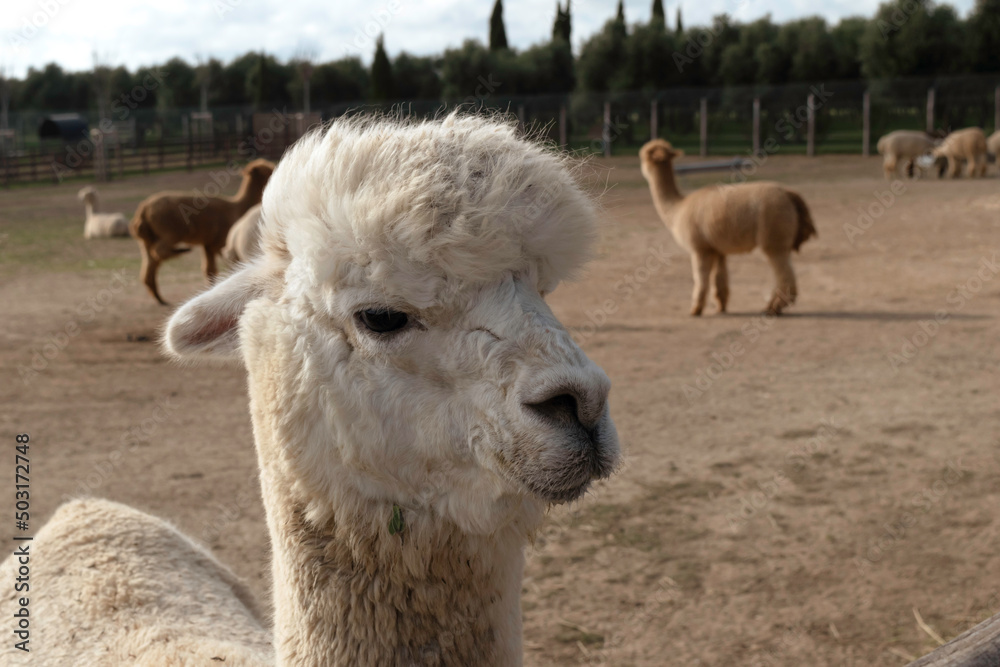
[[979, 647], [54, 164]]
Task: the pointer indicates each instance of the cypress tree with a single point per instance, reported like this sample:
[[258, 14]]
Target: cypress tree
[[680, 23], [659, 18], [562, 27], [568, 24], [620, 29], [382, 86], [498, 36]]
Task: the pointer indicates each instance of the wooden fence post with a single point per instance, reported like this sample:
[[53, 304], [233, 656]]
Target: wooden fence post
[[703, 116], [606, 134], [98, 156], [756, 126], [866, 124], [930, 109], [654, 119], [811, 115], [121, 155], [996, 109], [190, 154], [562, 126]]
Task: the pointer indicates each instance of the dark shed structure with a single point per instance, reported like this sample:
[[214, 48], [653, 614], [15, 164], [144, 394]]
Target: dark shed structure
[[66, 126]]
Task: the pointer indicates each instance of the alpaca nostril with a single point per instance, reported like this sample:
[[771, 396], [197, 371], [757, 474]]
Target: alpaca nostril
[[562, 409]]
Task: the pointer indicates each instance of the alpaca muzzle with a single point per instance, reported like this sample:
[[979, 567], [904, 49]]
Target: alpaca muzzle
[[580, 442]]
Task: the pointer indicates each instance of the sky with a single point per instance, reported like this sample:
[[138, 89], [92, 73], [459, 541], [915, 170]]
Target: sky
[[135, 33]]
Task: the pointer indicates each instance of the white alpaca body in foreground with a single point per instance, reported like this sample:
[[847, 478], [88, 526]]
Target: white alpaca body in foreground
[[243, 240], [101, 225], [110, 585], [416, 405]]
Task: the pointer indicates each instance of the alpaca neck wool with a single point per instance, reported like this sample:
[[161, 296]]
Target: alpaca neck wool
[[663, 187], [354, 593]]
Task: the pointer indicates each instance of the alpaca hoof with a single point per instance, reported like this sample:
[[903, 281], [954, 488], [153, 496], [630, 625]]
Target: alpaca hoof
[[696, 312]]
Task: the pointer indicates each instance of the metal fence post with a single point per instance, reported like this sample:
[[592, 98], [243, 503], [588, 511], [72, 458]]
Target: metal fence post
[[756, 126], [606, 135], [930, 109], [811, 136], [654, 120], [866, 124], [704, 126]]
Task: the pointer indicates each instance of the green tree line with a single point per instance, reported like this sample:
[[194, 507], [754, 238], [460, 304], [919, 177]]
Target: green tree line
[[903, 38]]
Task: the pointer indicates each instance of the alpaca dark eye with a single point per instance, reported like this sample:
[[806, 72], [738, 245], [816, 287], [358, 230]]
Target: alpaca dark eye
[[382, 320]]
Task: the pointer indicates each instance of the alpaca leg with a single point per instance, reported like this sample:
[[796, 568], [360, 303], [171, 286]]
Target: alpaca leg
[[721, 274], [952, 167], [208, 263], [701, 267], [785, 289], [150, 265], [980, 166], [889, 167]]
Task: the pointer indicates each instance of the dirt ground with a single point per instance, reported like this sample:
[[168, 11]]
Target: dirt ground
[[796, 489]]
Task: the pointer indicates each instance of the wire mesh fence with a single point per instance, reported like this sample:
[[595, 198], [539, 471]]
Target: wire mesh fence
[[820, 118]]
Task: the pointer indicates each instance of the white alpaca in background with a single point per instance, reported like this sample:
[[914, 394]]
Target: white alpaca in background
[[416, 408], [100, 225]]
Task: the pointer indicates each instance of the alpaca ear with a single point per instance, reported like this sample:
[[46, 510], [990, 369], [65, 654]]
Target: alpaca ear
[[207, 326], [678, 152]]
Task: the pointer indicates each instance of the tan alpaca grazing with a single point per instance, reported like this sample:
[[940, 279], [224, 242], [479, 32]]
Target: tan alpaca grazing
[[969, 145], [993, 147], [903, 147], [713, 222], [167, 219]]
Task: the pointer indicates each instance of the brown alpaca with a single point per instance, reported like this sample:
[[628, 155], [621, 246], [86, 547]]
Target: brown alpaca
[[713, 222], [168, 218]]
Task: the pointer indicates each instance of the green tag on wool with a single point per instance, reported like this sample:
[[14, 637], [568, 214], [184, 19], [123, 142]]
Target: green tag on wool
[[396, 524]]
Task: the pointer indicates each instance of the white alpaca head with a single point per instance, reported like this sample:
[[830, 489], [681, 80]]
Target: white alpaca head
[[87, 195], [395, 330]]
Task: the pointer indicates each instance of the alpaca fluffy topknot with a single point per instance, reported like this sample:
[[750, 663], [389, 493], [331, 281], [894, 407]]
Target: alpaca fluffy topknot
[[417, 209], [658, 150]]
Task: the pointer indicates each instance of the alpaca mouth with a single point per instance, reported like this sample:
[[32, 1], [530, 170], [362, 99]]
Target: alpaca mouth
[[572, 461]]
